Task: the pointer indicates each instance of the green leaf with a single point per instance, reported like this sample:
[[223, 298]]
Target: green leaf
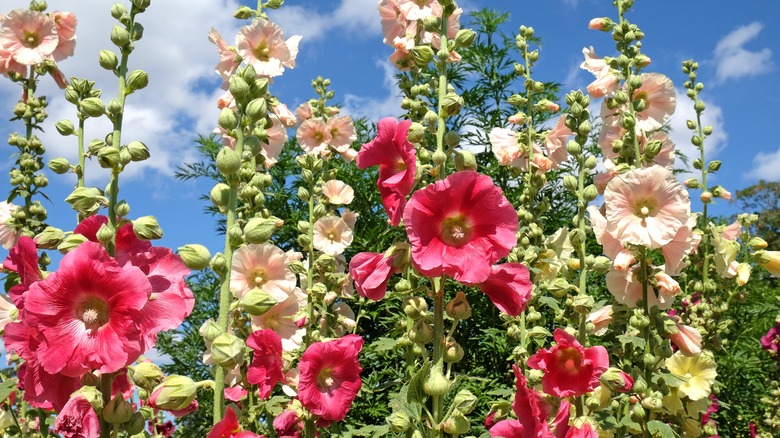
[[384, 344], [415, 393], [6, 388], [638, 342], [550, 302], [660, 429]]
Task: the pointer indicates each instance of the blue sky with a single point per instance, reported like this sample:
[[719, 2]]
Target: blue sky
[[737, 49]]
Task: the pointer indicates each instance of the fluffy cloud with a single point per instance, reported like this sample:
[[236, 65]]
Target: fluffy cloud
[[766, 166], [175, 51], [734, 61], [681, 135], [351, 16]]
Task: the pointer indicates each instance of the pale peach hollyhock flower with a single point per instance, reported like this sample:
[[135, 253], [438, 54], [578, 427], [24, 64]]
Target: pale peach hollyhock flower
[[684, 243], [601, 319], [592, 62], [667, 287], [303, 112], [261, 266], [345, 319], [543, 164], [646, 207], [611, 246], [338, 192], [433, 38], [313, 135], [393, 24], [332, 235], [555, 142], [605, 83], [226, 100], [350, 217], [59, 78], [262, 45], [687, 339], [277, 137], [413, 10], [626, 287], [726, 249], [8, 312], [30, 36], [65, 23], [657, 92], [732, 231], [623, 260], [405, 43], [667, 155], [8, 235], [281, 319], [342, 132], [290, 386], [8, 64], [505, 146], [348, 154], [601, 23], [284, 114]]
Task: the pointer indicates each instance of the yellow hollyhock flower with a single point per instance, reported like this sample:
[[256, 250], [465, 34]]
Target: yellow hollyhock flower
[[698, 371]]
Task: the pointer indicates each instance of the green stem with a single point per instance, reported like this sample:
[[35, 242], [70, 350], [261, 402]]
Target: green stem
[[106, 381], [438, 350], [644, 278], [441, 127], [82, 156], [704, 170]]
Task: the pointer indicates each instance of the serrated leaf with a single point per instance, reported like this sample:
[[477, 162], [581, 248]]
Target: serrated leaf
[[638, 342], [660, 429], [550, 302], [6, 388], [384, 344], [626, 421], [415, 392]]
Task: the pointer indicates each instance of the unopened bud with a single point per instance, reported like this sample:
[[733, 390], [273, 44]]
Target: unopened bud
[[174, 393], [147, 375], [227, 350], [228, 161], [120, 36], [422, 55], [138, 151], [108, 60], [692, 183], [117, 410], [65, 127], [257, 302], [465, 38], [421, 332], [457, 424], [147, 228], [399, 422], [59, 166], [195, 256], [458, 307], [604, 24], [137, 80], [92, 106], [227, 119], [465, 160], [436, 383], [416, 133], [453, 352]]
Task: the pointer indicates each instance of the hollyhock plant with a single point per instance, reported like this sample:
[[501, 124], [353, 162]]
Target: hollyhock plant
[[262, 45], [509, 287], [698, 370], [371, 272], [229, 427], [771, 340], [332, 235], [330, 377], [23, 259], [227, 57], [266, 369], [646, 207], [8, 235], [338, 192], [531, 411], [569, 368], [262, 266], [78, 419], [89, 313], [460, 227], [281, 318], [397, 162], [30, 36]]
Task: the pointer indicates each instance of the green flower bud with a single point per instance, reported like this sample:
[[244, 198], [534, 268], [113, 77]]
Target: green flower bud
[[421, 332], [465, 160], [590, 162], [415, 307], [114, 107], [638, 413], [465, 401], [135, 425], [573, 147], [601, 264], [195, 256], [174, 393], [142, 4], [416, 133], [244, 13], [118, 410], [210, 330], [59, 166], [422, 55], [257, 302], [108, 60], [570, 183], [138, 80], [692, 183], [239, 88], [108, 157], [93, 396], [436, 383], [138, 151], [105, 234], [458, 307], [117, 10], [147, 375], [260, 229], [120, 36], [86, 198], [49, 238], [465, 38], [399, 422], [714, 165], [228, 161], [439, 158], [590, 193], [453, 352], [65, 127], [274, 4], [227, 350], [457, 424], [147, 228], [755, 243], [257, 109], [92, 106], [452, 104], [70, 243]]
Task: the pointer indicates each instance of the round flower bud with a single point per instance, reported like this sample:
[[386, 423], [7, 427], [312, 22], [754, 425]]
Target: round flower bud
[[239, 88], [136, 424], [465, 160], [257, 302], [209, 330], [138, 151], [398, 422], [590, 193], [465, 401], [137, 80], [108, 60], [120, 36], [465, 38], [195, 256], [147, 228], [453, 352], [244, 13], [228, 161], [415, 307], [105, 234], [227, 350], [65, 127], [118, 410], [458, 307], [59, 166], [421, 332], [257, 109], [220, 195], [92, 106], [147, 375], [227, 119], [416, 133], [174, 393], [260, 229], [457, 424], [436, 383]]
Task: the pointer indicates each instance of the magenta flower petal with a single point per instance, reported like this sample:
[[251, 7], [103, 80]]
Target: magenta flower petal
[[266, 369], [371, 272], [509, 287]]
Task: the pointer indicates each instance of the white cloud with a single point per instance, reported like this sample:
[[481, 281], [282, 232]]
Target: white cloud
[[351, 16], [681, 135], [175, 51], [734, 61], [376, 108], [766, 165]]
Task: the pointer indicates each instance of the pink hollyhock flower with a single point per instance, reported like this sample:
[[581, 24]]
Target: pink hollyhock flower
[[30, 36], [229, 427], [393, 24], [330, 377], [266, 369], [165, 429], [509, 287], [277, 137], [569, 369], [127, 243], [342, 132], [332, 235], [313, 135], [65, 24], [8, 64], [684, 242], [338, 192], [284, 114], [89, 313], [531, 411], [460, 226], [556, 142], [227, 57], [303, 112], [771, 340], [657, 92], [601, 319], [261, 266], [397, 162], [23, 259], [687, 339], [606, 80], [281, 319], [8, 312], [288, 425], [371, 272], [413, 10], [236, 393], [584, 431], [78, 419], [262, 45], [627, 289], [8, 235], [646, 207]]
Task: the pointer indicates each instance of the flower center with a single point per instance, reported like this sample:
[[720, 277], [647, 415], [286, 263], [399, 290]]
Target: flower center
[[570, 360], [30, 39], [259, 277], [93, 312], [455, 231], [325, 379], [262, 52], [645, 208], [642, 95]]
